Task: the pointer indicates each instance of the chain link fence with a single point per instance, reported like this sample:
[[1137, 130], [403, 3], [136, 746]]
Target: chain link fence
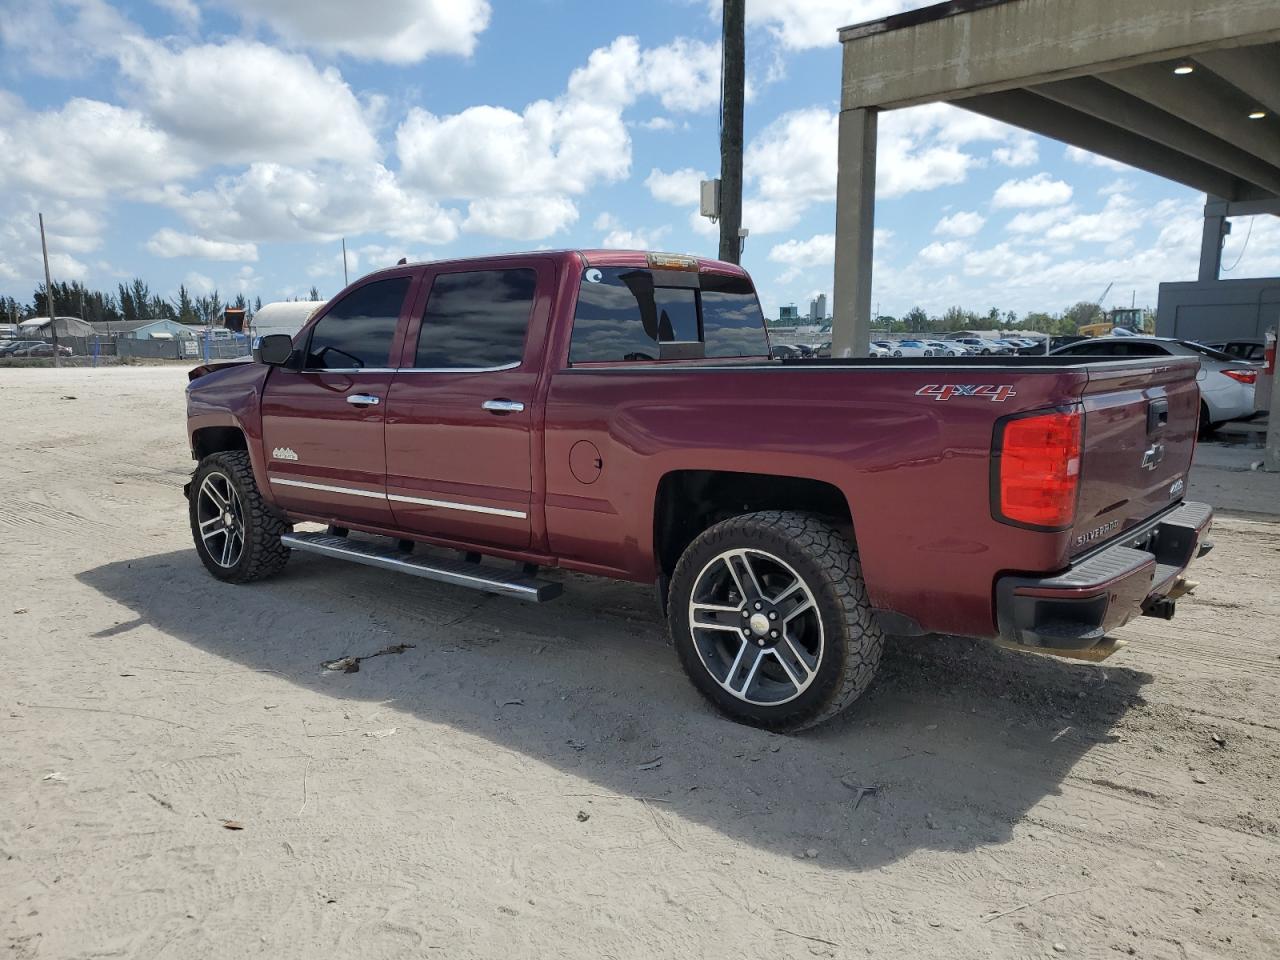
[[199, 348]]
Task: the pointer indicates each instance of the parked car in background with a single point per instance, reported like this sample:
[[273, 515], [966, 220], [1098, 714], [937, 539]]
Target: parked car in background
[[786, 351], [19, 348], [1251, 349], [1064, 340], [877, 352], [985, 348], [911, 348], [1226, 382], [947, 348], [44, 350], [822, 349]]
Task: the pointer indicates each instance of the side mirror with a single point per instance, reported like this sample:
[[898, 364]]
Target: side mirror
[[275, 349]]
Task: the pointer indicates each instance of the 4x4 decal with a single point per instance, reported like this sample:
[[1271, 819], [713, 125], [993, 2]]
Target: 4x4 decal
[[997, 393]]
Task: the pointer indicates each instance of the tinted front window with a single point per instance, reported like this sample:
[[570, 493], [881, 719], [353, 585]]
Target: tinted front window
[[358, 330], [476, 319], [623, 316]]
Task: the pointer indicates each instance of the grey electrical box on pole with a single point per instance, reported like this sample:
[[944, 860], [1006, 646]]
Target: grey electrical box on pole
[[710, 200]]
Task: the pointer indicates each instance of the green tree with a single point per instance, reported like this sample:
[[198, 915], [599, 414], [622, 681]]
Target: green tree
[[958, 318], [1038, 320], [915, 320], [209, 309], [257, 304], [315, 294], [185, 306], [76, 300], [1082, 313]]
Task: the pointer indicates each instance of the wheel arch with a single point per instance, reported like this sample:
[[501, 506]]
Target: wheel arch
[[687, 502], [217, 439]]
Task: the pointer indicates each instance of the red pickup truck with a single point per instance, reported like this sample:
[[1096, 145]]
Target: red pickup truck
[[619, 413]]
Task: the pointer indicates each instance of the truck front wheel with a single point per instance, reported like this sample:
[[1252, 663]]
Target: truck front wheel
[[771, 620], [236, 534]]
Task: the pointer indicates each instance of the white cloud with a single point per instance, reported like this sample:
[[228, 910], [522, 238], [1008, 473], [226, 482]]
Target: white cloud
[[659, 123], [184, 11], [520, 218], [679, 187], [199, 283], [620, 238], [792, 162], [1029, 222], [1023, 151], [276, 202], [1077, 155], [1119, 218], [683, 74], [941, 253], [486, 151], [1038, 191], [329, 266], [800, 255], [520, 170], [395, 31], [245, 102], [802, 24], [171, 243], [818, 250], [87, 149], [60, 40], [964, 223], [69, 228]]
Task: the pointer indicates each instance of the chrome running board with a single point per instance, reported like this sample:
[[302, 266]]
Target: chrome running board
[[459, 573]]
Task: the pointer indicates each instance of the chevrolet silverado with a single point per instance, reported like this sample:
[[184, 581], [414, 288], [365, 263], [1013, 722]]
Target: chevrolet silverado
[[619, 413]]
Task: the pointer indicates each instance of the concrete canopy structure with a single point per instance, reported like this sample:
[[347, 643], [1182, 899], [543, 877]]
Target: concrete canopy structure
[[1186, 89]]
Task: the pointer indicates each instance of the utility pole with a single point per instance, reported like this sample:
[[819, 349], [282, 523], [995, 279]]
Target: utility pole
[[48, 295], [344, 261], [733, 94]]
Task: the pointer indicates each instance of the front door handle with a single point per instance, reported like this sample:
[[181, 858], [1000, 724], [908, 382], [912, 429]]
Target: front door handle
[[503, 406], [363, 400]]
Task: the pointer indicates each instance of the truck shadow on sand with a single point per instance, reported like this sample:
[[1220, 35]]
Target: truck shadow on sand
[[960, 740]]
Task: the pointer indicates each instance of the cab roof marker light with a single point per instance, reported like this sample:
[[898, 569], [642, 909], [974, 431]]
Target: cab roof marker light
[[672, 261]]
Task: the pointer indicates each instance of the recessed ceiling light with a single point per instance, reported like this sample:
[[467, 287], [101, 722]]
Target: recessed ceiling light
[[1257, 115], [1183, 69]]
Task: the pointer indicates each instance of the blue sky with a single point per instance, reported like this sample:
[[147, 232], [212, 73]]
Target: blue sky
[[231, 143]]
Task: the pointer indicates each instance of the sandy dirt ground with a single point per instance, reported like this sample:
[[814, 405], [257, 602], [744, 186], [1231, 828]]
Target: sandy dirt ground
[[543, 782]]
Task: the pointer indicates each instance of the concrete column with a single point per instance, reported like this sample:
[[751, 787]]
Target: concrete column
[[1216, 229], [855, 229]]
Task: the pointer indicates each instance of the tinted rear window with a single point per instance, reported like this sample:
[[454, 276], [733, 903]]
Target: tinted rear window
[[623, 316], [476, 319]]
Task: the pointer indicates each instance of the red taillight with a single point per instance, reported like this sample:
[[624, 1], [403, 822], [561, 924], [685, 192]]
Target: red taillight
[[1242, 376], [1038, 469]]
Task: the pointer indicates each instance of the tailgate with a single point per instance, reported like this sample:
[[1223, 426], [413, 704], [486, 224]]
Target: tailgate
[[1140, 430]]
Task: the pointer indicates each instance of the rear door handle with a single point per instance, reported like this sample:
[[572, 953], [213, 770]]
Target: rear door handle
[[503, 406], [363, 400]]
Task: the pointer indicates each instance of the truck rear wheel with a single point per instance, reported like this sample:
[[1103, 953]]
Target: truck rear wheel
[[236, 534], [771, 619]]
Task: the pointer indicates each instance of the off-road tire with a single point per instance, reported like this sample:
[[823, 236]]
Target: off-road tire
[[263, 555], [828, 563]]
